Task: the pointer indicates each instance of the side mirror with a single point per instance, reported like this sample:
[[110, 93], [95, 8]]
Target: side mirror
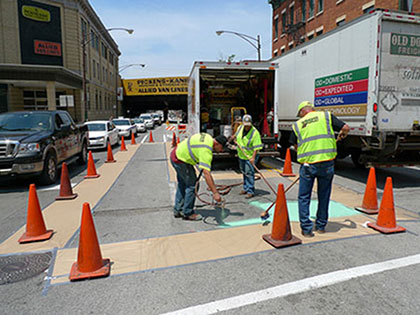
[[65, 127]]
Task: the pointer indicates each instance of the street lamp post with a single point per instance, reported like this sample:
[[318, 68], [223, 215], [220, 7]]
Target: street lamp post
[[246, 38], [84, 43], [116, 80]]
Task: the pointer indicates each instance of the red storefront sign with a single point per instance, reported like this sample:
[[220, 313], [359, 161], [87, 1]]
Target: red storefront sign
[[47, 48]]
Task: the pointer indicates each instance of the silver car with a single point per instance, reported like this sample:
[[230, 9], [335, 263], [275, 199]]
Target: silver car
[[140, 124], [148, 120]]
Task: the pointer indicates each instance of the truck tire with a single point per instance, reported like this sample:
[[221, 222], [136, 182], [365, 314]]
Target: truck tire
[[355, 157], [82, 160], [49, 173]]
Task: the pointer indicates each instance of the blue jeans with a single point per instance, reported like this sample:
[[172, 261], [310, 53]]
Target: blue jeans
[[248, 172], [185, 192], [324, 173]]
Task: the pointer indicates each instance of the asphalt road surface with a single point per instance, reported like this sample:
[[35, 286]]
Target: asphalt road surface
[[356, 275]]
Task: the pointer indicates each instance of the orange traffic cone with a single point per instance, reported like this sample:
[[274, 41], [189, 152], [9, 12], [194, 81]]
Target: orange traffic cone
[[91, 170], [177, 141], [66, 192], [151, 137], [133, 139], [123, 148], [110, 156], [287, 168], [35, 226], [89, 262], [386, 222], [370, 199], [173, 140], [281, 234]]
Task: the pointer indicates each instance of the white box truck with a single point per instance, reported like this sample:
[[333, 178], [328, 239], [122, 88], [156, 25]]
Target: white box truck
[[367, 73], [218, 92]]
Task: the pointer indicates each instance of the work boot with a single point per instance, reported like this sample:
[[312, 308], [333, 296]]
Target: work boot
[[178, 215], [320, 231], [308, 234], [249, 196], [193, 217], [242, 192]]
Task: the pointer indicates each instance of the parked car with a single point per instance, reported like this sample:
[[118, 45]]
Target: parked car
[[125, 127], [141, 126], [156, 119], [37, 143], [102, 132], [148, 120]]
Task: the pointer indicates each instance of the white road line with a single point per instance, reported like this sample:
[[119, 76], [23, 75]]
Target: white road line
[[164, 138], [144, 139], [298, 286], [55, 187]]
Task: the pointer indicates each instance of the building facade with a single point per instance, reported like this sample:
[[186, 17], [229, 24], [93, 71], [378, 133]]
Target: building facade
[[298, 21], [41, 58]]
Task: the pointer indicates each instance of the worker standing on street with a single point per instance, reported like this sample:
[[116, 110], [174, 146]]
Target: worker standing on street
[[316, 150], [249, 143], [195, 150]]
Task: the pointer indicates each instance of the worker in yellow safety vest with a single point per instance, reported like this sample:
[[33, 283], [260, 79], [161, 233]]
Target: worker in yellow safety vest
[[248, 139], [195, 150], [316, 150]]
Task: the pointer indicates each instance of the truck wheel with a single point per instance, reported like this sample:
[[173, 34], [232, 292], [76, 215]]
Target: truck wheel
[[355, 157], [82, 160], [49, 174]]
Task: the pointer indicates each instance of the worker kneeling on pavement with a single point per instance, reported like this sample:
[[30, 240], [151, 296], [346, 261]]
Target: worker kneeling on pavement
[[316, 150], [249, 143], [195, 150]]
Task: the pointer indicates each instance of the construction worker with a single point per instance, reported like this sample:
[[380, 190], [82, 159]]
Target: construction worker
[[195, 150], [248, 140], [316, 150]]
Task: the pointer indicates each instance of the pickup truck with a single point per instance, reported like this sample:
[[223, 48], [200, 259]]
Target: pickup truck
[[36, 143]]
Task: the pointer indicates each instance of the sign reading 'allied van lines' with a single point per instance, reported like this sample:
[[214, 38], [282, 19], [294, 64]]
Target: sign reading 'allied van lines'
[[47, 48], [156, 86], [344, 94], [405, 44]]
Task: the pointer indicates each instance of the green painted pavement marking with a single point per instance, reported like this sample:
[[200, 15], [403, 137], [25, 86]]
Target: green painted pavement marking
[[336, 210]]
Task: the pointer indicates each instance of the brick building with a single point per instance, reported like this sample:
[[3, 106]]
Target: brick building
[[41, 58], [298, 21]]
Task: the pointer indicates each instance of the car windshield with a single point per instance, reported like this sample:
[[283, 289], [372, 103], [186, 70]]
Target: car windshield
[[155, 116], [122, 122], [96, 127], [138, 121], [146, 117], [25, 122]]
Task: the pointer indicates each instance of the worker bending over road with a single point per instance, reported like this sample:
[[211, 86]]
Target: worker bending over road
[[249, 143], [195, 150], [316, 150]]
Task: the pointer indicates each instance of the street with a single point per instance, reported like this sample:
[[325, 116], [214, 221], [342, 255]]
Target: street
[[161, 264]]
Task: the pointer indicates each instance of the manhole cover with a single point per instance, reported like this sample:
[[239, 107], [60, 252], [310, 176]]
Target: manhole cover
[[15, 268]]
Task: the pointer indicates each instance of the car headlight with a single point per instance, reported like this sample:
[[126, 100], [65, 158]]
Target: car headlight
[[25, 148]]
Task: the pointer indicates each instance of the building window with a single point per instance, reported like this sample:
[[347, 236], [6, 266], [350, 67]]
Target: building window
[[302, 39], [367, 7], [93, 68], [92, 39], [311, 8], [88, 98], [84, 29], [99, 71], [283, 22], [282, 49], [291, 15], [310, 35], [341, 20], [303, 6], [320, 6], [35, 100], [57, 98], [403, 5], [318, 33], [111, 58], [276, 28]]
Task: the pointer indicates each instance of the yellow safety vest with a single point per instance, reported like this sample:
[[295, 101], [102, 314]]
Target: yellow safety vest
[[249, 143], [197, 149], [316, 140]]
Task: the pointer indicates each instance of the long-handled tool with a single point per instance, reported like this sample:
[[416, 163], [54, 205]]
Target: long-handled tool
[[265, 215]]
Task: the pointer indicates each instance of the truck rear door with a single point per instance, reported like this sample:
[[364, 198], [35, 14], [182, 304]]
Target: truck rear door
[[399, 79]]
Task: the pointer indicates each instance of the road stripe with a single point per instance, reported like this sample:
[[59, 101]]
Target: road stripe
[[299, 286], [144, 139]]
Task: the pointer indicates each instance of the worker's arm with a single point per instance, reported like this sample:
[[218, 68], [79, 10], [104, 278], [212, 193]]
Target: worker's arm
[[252, 159], [212, 186]]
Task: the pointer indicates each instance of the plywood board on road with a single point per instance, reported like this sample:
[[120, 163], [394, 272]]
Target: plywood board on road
[[183, 249]]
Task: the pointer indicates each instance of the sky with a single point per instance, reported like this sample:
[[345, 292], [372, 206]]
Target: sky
[[170, 35]]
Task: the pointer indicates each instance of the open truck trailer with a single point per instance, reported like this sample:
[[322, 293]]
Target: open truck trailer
[[219, 92]]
